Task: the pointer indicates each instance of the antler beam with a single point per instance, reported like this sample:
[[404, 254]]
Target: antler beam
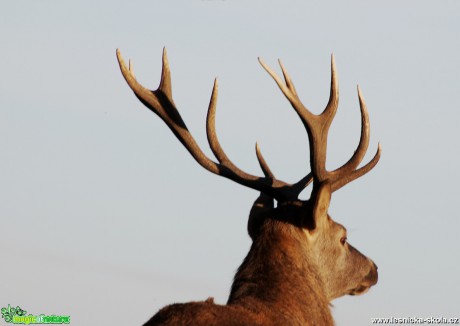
[[161, 102]]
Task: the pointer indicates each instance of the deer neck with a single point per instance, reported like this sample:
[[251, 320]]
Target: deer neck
[[277, 276]]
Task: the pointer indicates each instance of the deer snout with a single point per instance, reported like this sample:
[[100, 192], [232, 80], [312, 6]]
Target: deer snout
[[369, 280]]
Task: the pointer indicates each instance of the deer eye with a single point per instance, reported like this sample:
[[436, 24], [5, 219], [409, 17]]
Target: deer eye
[[343, 240]]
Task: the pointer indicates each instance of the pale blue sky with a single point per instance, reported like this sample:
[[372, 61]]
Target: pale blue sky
[[103, 215]]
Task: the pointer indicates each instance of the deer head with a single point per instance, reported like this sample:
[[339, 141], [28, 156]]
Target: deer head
[[300, 259]]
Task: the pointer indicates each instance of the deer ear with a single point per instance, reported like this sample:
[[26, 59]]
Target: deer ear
[[258, 214], [321, 202]]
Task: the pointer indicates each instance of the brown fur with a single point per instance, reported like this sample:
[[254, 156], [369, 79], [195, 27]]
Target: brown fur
[[289, 275]]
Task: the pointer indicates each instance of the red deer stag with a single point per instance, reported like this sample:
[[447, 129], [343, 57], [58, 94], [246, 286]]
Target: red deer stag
[[300, 259]]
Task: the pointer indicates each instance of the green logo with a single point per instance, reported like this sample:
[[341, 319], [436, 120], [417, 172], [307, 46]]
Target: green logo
[[18, 316]]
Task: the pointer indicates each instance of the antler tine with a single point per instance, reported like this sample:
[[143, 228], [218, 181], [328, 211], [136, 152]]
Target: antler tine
[[287, 78], [263, 164], [333, 103], [363, 145], [349, 172], [165, 81], [296, 188], [213, 140], [355, 174], [211, 127]]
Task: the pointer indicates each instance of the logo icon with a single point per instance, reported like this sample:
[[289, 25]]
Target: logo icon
[[9, 313], [19, 316]]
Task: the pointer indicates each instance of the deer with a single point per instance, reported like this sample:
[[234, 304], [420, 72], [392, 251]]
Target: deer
[[300, 259]]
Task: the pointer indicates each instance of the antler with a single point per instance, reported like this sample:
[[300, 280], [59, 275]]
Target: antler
[[317, 127], [161, 102]]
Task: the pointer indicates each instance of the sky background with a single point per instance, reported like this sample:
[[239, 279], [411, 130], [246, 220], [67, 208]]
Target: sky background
[[106, 218]]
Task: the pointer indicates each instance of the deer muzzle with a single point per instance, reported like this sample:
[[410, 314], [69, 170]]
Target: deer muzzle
[[369, 280]]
